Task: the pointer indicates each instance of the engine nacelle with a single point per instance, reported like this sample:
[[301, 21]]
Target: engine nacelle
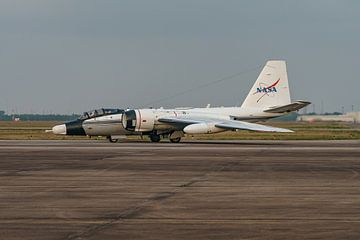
[[202, 128], [139, 120]]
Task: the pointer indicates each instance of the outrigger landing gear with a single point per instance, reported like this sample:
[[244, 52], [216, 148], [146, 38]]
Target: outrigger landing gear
[[154, 138], [175, 140], [112, 140]]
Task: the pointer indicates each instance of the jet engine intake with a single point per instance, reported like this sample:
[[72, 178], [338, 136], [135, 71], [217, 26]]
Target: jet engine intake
[[139, 120]]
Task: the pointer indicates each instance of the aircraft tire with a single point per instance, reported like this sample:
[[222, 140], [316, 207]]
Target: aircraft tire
[[112, 140], [175, 140], [155, 138]]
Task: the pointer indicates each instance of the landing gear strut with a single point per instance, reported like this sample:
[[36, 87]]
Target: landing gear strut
[[154, 138]]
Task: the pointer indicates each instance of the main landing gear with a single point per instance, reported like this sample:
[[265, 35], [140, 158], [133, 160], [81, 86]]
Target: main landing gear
[[112, 140], [156, 138], [175, 140]]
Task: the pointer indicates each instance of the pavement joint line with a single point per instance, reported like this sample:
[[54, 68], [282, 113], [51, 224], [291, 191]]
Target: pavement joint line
[[127, 214]]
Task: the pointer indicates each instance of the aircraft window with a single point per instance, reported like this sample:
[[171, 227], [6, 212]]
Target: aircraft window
[[100, 112], [110, 111], [113, 111], [92, 114], [84, 116]]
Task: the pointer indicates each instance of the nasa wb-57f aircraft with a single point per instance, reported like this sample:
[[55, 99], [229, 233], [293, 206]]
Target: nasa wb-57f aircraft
[[268, 98]]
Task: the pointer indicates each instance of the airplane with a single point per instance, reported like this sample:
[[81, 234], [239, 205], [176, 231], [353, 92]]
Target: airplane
[[268, 98]]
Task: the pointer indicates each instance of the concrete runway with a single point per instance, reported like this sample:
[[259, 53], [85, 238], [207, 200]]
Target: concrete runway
[[193, 190]]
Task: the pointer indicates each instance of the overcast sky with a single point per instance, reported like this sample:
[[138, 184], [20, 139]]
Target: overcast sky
[[65, 56]]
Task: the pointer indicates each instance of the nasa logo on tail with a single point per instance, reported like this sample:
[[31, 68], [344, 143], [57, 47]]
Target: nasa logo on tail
[[266, 90]]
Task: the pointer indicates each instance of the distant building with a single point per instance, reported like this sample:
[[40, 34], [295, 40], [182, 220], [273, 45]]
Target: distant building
[[352, 117]]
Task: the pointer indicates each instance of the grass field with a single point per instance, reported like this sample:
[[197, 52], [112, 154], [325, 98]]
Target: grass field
[[29, 130], [303, 131]]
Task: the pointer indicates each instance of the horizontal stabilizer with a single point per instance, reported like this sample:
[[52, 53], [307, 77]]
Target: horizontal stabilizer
[[288, 108]]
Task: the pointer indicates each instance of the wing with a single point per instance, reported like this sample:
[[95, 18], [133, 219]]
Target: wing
[[220, 123], [233, 124]]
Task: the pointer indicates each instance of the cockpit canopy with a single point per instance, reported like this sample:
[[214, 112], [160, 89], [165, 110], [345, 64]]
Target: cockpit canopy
[[100, 112]]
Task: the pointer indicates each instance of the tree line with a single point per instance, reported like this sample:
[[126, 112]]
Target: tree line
[[37, 117]]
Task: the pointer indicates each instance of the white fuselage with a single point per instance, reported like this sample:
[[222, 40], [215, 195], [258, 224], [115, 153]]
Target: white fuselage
[[148, 119], [104, 126]]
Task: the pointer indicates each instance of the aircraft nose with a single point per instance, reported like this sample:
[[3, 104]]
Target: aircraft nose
[[75, 128], [59, 129]]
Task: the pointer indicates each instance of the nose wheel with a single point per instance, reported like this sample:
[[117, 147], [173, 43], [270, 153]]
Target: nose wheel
[[155, 138]]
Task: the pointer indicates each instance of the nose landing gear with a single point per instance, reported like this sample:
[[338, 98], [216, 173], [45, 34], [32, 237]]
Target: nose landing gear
[[154, 138]]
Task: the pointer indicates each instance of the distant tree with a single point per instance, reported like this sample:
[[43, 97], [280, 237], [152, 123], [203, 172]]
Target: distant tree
[[38, 117], [333, 113]]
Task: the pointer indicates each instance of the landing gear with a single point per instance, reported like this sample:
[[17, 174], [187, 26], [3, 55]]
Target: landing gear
[[112, 140], [175, 140], [175, 136], [154, 138]]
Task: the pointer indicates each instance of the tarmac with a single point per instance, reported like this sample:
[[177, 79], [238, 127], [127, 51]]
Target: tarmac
[[192, 190]]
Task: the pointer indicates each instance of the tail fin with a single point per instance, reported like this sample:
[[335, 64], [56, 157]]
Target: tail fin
[[271, 88]]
